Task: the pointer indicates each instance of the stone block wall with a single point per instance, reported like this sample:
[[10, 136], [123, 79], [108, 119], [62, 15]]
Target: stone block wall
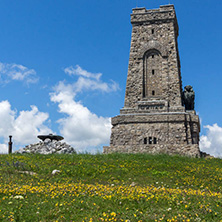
[[191, 150], [167, 128], [154, 32]]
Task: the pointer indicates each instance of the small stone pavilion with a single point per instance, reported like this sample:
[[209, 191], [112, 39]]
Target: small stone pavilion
[[158, 116]]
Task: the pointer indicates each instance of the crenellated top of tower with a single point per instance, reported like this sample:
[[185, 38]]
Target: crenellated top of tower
[[165, 13]]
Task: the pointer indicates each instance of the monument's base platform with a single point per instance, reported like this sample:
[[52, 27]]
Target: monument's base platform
[[191, 150], [169, 132]]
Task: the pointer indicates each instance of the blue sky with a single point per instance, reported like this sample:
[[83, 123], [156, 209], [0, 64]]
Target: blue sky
[[63, 67]]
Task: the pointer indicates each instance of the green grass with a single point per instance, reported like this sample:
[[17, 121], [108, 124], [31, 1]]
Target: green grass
[[114, 187]]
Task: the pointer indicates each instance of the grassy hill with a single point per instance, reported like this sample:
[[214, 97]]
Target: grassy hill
[[114, 187]]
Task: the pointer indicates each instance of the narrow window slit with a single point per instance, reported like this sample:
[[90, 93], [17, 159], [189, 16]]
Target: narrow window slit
[[150, 140], [154, 140]]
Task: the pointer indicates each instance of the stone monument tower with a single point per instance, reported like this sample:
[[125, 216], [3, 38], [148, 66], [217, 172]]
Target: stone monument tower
[[158, 117]]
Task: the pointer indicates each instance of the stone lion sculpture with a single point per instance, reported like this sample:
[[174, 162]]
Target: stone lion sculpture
[[188, 97]]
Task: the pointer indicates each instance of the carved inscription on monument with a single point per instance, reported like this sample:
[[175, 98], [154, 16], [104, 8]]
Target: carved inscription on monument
[[151, 107]]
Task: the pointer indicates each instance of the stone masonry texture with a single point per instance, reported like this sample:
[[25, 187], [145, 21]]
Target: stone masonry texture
[[153, 119]]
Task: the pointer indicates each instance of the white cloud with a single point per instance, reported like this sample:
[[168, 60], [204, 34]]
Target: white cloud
[[90, 81], [24, 126], [17, 72], [80, 127], [89, 84], [81, 72], [212, 142], [3, 148]]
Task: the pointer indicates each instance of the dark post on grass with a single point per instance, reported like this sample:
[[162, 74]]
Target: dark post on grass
[[10, 145]]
